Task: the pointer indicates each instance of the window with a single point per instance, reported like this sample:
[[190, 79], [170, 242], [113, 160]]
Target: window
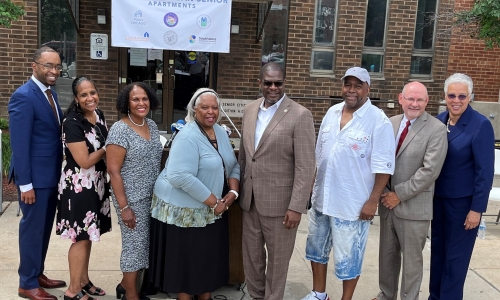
[[275, 33], [375, 33], [57, 31], [423, 45], [323, 48]]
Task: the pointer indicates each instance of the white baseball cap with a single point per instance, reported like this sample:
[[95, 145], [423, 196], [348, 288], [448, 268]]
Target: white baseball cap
[[359, 73]]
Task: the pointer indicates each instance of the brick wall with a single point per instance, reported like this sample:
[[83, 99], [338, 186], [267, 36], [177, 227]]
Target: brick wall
[[238, 70], [103, 72], [469, 56], [18, 44]]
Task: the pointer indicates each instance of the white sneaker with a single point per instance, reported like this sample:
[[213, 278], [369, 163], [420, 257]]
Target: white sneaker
[[312, 296]]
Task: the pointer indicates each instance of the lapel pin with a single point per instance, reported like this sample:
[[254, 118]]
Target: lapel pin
[[286, 110]]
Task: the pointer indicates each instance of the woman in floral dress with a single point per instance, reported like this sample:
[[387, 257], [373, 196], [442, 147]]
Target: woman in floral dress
[[83, 208]]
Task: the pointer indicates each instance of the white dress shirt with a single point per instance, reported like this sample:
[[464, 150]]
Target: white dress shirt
[[348, 159], [402, 126], [264, 117]]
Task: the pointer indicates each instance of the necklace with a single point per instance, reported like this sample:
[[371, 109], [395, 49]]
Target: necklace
[[448, 125], [143, 121]]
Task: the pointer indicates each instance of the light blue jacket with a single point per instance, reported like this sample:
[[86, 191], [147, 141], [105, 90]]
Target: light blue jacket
[[193, 170]]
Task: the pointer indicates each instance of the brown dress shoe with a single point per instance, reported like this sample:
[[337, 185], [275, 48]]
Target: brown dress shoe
[[50, 283], [35, 294]]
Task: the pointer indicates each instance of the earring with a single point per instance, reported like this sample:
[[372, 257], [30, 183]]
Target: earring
[[77, 104]]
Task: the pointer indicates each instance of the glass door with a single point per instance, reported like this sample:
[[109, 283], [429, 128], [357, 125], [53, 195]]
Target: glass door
[[174, 75]]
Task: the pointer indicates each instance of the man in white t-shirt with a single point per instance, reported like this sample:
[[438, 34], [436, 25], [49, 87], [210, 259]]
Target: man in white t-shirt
[[355, 158]]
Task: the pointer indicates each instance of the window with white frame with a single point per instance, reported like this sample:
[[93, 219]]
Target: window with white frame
[[423, 43], [323, 47], [372, 58]]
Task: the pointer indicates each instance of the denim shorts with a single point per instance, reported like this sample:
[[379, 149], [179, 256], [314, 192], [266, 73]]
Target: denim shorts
[[348, 239]]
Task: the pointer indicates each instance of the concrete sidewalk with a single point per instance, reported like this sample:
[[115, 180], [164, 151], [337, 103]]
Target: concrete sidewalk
[[483, 278]]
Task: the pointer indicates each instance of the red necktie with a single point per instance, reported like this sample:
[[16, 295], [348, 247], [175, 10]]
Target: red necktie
[[403, 135], [52, 104]]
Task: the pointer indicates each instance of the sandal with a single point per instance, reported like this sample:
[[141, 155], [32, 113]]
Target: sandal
[[78, 296], [98, 291]]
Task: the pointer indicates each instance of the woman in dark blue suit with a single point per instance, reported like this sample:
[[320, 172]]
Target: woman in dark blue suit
[[462, 189]]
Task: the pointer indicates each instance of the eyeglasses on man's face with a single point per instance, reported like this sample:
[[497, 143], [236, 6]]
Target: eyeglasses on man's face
[[50, 66], [461, 97], [270, 83], [419, 100]]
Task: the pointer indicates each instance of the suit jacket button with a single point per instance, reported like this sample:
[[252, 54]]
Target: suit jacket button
[[253, 159]]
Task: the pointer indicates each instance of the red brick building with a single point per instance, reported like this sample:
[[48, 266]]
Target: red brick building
[[317, 40], [469, 56]]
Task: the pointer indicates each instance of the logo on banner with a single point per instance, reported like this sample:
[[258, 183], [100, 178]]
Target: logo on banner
[[203, 21], [171, 19], [170, 37], [207, 40], [191, 58], [192, 39], [138, 20]]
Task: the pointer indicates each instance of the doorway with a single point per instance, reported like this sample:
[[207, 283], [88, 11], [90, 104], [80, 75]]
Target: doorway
[[174, 81]]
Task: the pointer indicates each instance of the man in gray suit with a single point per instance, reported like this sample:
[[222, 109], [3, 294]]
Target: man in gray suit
[[406, 207], [277, 168]]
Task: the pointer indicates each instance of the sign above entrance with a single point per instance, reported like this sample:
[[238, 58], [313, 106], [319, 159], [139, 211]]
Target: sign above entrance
[[98, 46], [186, 25]]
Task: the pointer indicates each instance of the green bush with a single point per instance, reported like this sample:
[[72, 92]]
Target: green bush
[[6, 150], [4, 124], [6, 154]]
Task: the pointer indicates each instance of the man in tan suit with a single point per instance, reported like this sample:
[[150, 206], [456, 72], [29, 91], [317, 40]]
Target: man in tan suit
[[277, 168], [406, 209]]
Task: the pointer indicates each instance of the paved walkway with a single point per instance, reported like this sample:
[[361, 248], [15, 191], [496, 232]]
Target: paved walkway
[[483, 278]]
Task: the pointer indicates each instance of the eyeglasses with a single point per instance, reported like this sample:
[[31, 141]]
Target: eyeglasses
[[270, 83], [461, 97], [99, 134], [50, 66], [419, 101]]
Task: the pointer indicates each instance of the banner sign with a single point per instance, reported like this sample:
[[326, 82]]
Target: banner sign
[[187, 25]]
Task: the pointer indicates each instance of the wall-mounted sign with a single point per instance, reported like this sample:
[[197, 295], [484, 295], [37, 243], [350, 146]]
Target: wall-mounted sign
[[174, 25], [234, 107], [98, 46]]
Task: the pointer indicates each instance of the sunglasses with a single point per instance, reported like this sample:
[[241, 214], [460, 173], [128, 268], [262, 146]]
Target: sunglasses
[[461, 97], [270, 83]]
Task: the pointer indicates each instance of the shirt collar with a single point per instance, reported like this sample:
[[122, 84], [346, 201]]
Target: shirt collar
[[276, 105], [359, 112], [39, 84], [406, 119]]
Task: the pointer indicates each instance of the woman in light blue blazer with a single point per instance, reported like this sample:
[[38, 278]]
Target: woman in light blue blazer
[[189, 226], [462, 189]]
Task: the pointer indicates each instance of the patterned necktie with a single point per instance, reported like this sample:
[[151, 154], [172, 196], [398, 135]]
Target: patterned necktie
[[403, 135], [52, 104]]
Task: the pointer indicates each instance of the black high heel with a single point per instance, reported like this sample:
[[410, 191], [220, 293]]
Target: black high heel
[[120, 293], [78, 296], [98, 291]]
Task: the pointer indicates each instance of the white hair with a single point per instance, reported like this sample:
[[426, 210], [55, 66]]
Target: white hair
[[196, 99], [459, 78]]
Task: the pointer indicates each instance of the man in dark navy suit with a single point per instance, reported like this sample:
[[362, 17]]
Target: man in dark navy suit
[[35, 118]]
